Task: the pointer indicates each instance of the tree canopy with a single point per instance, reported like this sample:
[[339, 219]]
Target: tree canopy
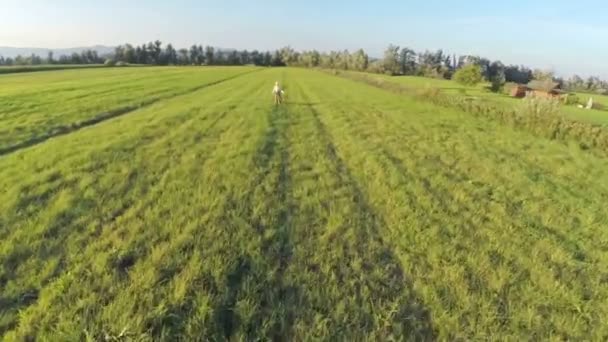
[[469, 75]]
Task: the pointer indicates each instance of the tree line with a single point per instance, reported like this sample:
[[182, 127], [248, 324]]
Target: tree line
[[395, 61], [438, 64], [154, 53], [84, 57]]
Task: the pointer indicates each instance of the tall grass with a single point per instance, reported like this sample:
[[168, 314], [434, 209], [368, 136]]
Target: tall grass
[[539, 116]]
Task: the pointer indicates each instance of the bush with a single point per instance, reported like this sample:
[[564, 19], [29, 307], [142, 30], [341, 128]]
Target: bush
[[430, 72], [536, 106], [572, 100], [121, 64], [598, 106], [430, 93], [498, 83], [508, 87], [109, 62], [376, 68], [469, 75]]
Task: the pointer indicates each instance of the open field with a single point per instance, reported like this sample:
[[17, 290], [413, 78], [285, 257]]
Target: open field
[[38, 106], [482, 93], [349, 213], [46, 67]]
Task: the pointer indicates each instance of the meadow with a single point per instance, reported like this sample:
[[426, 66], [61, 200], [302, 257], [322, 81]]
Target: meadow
[[45, 67], [349, 213], [502, 99], [38, 106]]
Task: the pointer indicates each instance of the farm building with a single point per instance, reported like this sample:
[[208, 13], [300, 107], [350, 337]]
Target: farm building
[[519, 90], [546, 89]]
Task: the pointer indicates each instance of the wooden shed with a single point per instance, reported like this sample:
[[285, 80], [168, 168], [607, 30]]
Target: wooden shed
[[544, 89], [519, 91]]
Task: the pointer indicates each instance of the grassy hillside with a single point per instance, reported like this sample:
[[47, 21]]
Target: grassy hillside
[[349, 213]]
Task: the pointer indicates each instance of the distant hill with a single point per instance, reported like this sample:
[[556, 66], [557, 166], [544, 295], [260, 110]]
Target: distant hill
[[12, 52]]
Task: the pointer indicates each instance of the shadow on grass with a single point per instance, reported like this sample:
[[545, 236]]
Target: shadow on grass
[[225, 317], [412, 317], [271, 167]]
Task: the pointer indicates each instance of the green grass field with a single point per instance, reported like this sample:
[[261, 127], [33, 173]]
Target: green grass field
[[45, 67], [39, 106], [482, 93], [348, 213]]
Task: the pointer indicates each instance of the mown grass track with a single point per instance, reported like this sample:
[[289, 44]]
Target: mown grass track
[[347, 214]]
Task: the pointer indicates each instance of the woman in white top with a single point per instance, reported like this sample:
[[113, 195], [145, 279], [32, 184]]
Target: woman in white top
[[278, 93]]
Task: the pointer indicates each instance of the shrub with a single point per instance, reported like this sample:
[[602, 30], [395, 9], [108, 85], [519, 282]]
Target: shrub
[[376, 67], [536, 106], [430, 92], [571, 99], [121, 64], [430, 72], [498, 79], [109, 62], [469, 75], [508, 87], [498, 83]]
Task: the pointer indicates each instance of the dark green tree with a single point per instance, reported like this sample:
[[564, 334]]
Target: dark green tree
[[391, 60], [209, 55], [407, 61], [171, 55], [469, 75]]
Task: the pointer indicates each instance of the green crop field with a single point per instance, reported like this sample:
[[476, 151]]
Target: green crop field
[[37, 106], [46, 67], [483, 94], [202, 212]]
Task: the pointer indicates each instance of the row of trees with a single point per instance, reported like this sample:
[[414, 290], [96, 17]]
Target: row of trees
[[85, 57], [405, 61], [396, 61], [359, 60], [591, 84], [155, 53]]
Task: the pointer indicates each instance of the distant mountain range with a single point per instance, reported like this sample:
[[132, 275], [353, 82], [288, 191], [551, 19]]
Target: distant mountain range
[[7, 51]]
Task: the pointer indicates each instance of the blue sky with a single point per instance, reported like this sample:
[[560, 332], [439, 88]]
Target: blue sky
[[566, 36]]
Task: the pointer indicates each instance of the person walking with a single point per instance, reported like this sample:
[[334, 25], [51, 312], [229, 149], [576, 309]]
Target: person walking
[[278, 93]]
